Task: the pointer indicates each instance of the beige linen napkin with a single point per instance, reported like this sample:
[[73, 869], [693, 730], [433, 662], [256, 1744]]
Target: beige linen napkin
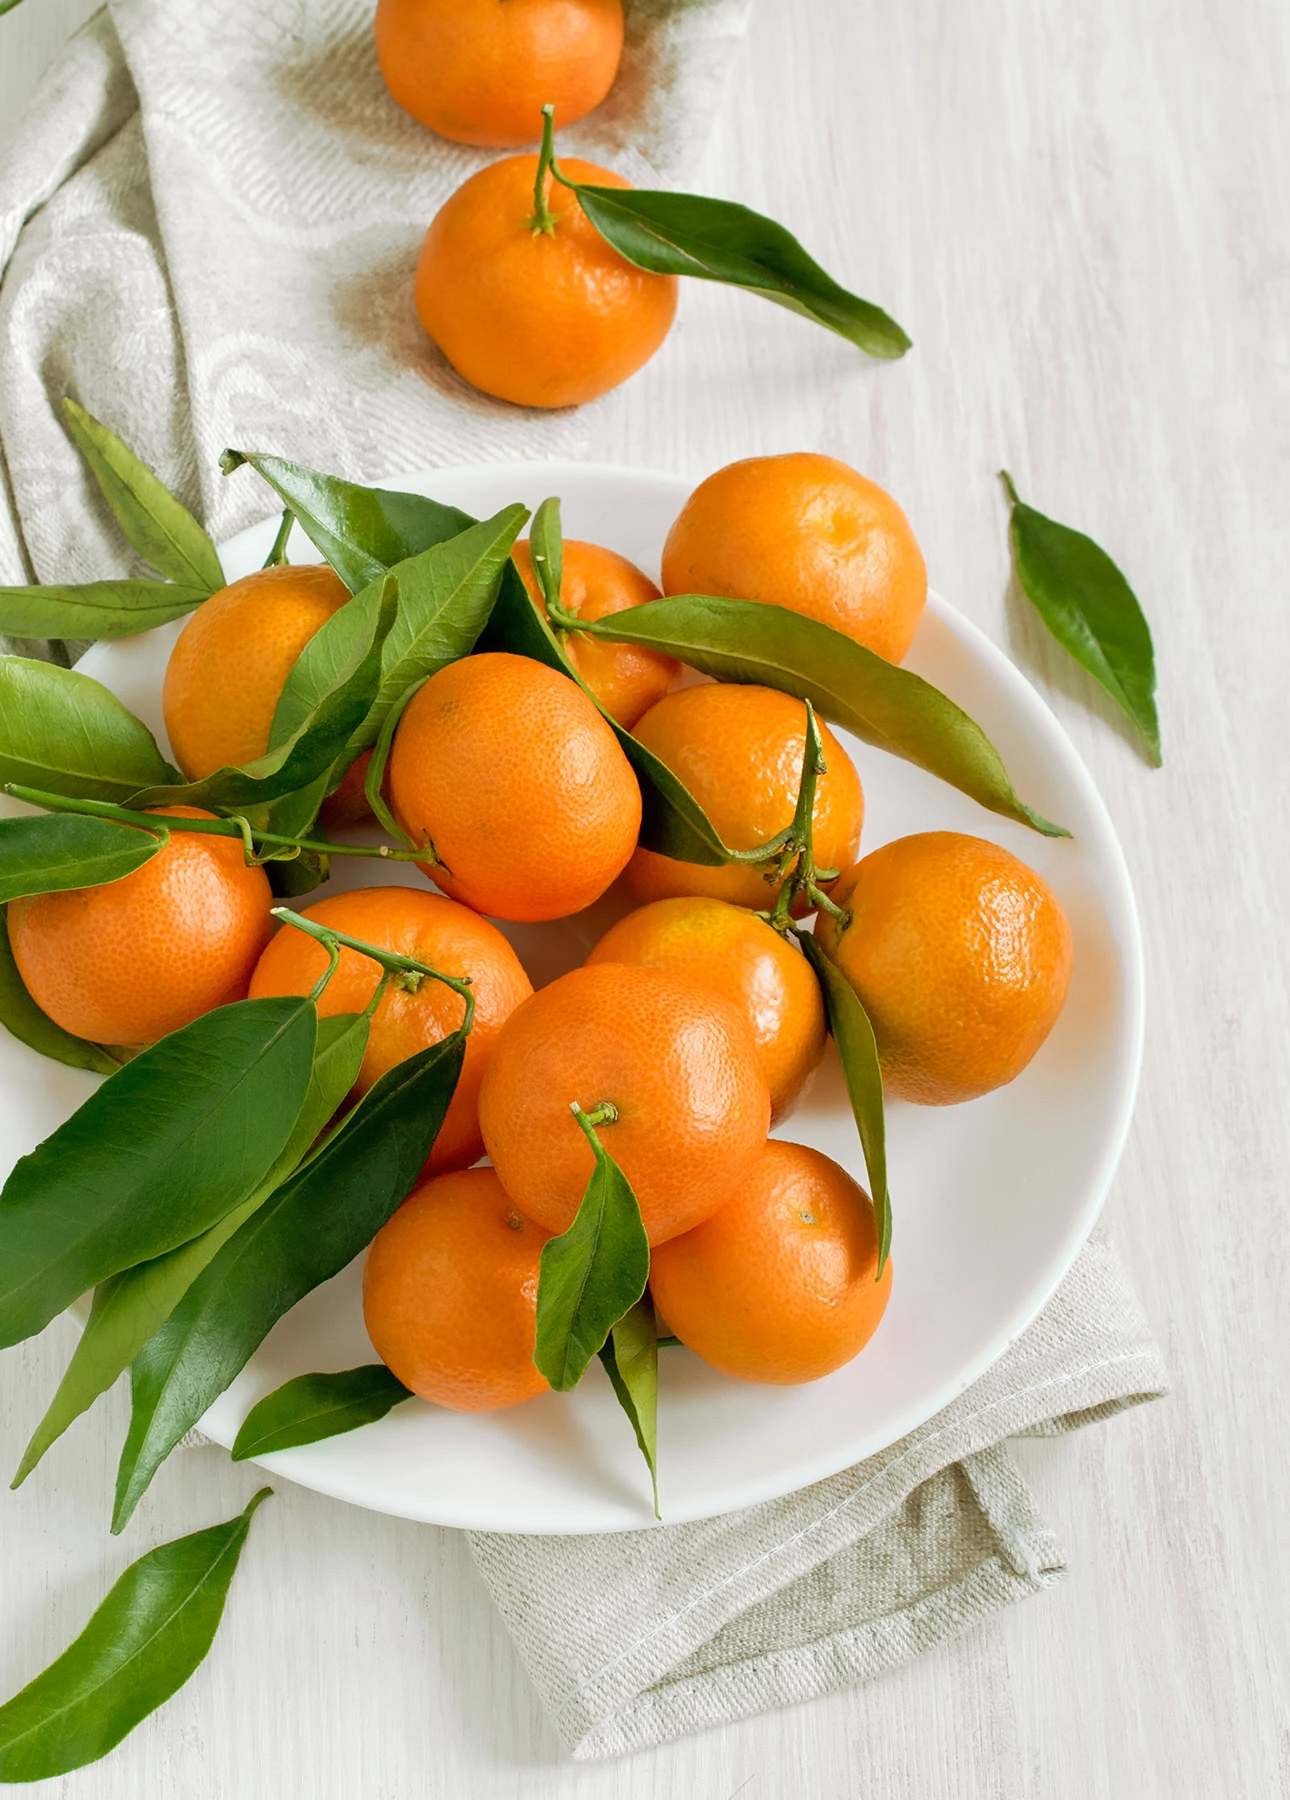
[[637, 1637]]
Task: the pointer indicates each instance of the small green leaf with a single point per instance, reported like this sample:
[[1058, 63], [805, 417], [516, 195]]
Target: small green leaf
[[67, 734], [890, 707], [96, 609], [48, 853], [717, 240], [158, 527], [591, 1275], [630, 1357], [129, 1307], [858, 1054], [306, 1232], [141, 1645], [170, 1145], [1090, 609], [313, 1407], [361, 531], [24, 1020]]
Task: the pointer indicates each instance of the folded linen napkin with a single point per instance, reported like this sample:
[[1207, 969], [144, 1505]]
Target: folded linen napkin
[[638, 1637]]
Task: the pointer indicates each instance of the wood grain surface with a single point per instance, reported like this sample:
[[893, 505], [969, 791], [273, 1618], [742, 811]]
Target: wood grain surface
[[1081, 214]]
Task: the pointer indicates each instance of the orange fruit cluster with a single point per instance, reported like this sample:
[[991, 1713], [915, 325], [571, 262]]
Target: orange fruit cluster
[[695, 1022]]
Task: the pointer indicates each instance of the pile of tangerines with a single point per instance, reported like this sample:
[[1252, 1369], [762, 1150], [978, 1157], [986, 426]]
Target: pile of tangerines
[[696, 1021]]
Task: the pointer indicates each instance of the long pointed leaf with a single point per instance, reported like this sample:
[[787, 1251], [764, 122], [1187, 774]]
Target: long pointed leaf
[[64, 733], [630, 1358], [95, 609], [48, 853], [314, 1407]]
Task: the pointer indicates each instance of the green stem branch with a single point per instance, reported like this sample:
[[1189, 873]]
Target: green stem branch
[[544, 219], [405, 969], [278, 555]]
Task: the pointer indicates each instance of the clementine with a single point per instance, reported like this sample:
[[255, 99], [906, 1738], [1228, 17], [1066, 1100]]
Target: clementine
[[962, 957], [808, 533], [678, 1065], [779, 1284], [128, 962]]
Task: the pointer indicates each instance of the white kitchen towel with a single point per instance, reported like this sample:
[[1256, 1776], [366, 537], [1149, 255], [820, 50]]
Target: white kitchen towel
[[209, 218], [637, 1637]]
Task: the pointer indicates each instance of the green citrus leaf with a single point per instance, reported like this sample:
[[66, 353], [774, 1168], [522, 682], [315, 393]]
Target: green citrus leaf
[[592, 1274], [890, 707], [96, 609], [167, 1147], [140, 1646], [858, 1053], [630, 1358], [361, 531], [158, 527], [24, 1020], [129, 1307], [717, 240], [313, 1407], [306, 1232], [1090, 609], [48, 853], [65, 733]]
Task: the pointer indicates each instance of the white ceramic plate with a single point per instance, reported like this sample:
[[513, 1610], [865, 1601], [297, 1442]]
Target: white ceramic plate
[[992, 1200]]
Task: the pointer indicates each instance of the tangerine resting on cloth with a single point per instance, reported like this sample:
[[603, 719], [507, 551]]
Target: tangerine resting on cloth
[[520, 785], [543, 319], [450, 1294], [679, 1066], [127, 962], [730, 952], [808, 533], [595, 583], [480, 71], [434, 931], [739, 751], [231, 662], [779, 1284], [962, 957]]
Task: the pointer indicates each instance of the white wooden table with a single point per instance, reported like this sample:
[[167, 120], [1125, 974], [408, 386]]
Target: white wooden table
[[1082, 214]]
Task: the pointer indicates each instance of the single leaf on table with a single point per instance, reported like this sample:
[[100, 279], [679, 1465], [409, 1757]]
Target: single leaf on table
[[630, 1358], [157, 525], [141, 1645], [24, 1020], [361, 531], [307, 1231], [858, 1053], [165, 1149], [313, 1407], [592, 1274], [1091, 610], [889, 707], [66, 734], [96, 609], [129, 1307], [718, 240], [48, 853]]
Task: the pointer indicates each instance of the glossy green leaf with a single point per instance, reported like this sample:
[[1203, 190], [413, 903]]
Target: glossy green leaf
[[718, 240], [65, 733], [630, 1357], [24, 1020], [312, 748], [592, 1274], [129, 1307], [890, 707], [97, 609], [313, 1407], [306, 1232], [858, 1053], [170, 1145], [361, 531], [158, 526], [47, 853], [140, 1647], [1090, 609]]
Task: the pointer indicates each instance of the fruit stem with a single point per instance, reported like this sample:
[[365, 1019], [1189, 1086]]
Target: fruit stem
[[604, 1114], [544, 220], [236, 826], [277, 557], [390, 960]]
